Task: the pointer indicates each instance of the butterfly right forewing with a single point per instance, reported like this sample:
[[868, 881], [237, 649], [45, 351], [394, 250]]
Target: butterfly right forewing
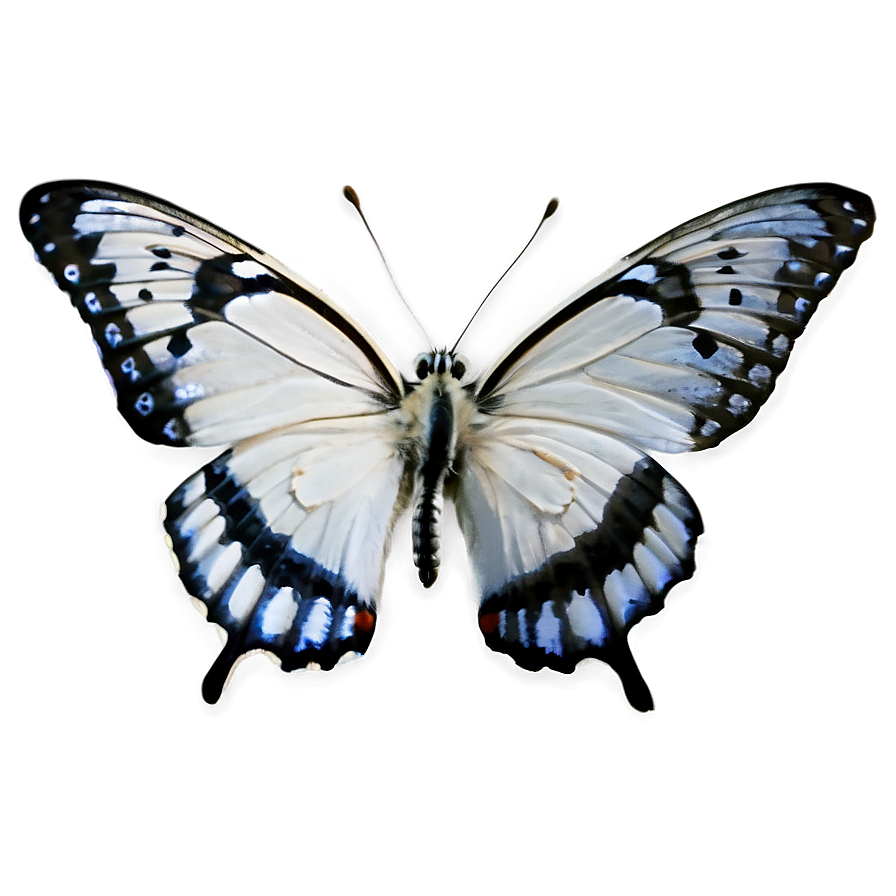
[[681, 344]]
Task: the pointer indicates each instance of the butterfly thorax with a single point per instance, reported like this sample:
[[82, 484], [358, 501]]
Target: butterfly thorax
[[435, 411]]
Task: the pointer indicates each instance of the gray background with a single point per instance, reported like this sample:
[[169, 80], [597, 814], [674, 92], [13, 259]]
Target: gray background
[[433, 765]]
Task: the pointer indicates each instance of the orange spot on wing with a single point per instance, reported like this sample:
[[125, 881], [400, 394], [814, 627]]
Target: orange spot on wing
[[488, 622], [364, 622]]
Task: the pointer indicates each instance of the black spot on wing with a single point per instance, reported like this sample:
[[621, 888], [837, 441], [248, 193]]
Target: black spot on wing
[[705, 344], [730, 254], [179, 344]]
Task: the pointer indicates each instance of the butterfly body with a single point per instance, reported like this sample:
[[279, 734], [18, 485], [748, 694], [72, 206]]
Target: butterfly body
[[574, 532], [437, 412]]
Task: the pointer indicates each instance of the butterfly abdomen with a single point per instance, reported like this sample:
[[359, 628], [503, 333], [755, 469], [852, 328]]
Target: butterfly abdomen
[[438, 432]]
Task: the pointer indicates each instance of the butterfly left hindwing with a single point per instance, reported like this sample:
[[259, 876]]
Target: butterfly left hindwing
[[209, 341]]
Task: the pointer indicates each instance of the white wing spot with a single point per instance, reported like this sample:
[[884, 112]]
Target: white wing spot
[[189, 392], [317, 625], [547, 630], [72, 273], [646, 273], [585, 619], [279, 613], [524, 631], [246, 593], [347, 628], [650, 568], [222, 565], [113, 335], [144, 404], [34, 219], [780, 344], [625, 592], [708, 428], [671, 529], [759, 375], [248, 270], [173, 559], [675, 496], [93, 303], [738, 403], [49, 247], [198, 517], [129, 369]]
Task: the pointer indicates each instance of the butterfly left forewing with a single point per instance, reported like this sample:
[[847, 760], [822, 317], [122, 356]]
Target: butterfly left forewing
[[206, 339], [674, 349]]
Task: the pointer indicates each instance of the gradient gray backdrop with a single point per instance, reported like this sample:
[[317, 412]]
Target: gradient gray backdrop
[[434, 766]]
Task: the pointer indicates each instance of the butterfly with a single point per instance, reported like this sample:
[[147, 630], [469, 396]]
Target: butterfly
[[574, 531]]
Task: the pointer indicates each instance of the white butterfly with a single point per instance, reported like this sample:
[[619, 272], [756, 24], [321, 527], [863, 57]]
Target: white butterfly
[[575, 534]]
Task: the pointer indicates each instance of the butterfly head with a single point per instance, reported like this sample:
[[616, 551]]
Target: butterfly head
[[440, 362]]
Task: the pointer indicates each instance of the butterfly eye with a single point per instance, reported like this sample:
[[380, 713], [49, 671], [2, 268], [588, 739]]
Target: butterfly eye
[[422, 365], [459, 367]]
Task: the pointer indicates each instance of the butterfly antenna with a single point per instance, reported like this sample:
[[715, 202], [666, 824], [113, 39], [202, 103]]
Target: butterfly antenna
[[552, 207], [352, 197]]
